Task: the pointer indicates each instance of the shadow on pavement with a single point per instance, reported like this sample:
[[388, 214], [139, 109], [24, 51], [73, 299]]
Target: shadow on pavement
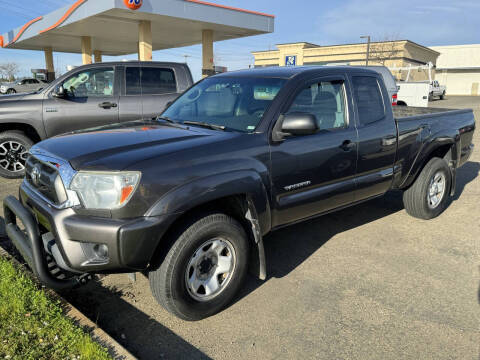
[[287, 248], [466, 174]]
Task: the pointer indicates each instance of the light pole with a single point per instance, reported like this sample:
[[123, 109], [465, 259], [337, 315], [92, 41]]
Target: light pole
[[368, 47]]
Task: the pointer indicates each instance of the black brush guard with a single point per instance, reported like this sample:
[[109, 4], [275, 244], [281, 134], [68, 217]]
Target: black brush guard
[[29, 244]]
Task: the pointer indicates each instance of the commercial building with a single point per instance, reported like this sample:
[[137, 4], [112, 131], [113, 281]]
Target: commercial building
[[401, 53], [120, 27], [458, 67]]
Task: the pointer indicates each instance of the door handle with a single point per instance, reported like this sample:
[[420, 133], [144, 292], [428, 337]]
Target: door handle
[[347, 145], [107, 105]]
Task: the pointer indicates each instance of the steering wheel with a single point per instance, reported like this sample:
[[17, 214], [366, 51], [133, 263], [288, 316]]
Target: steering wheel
[[194, 95]]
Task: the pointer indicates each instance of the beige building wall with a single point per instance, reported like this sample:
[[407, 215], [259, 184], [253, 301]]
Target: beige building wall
[[391, 54], [458, 68], [460, 82]]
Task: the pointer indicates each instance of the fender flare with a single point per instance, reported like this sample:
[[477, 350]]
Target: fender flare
[[431, 145], [201, 191]]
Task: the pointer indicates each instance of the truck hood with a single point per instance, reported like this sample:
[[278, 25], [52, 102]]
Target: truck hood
[[121, 146]]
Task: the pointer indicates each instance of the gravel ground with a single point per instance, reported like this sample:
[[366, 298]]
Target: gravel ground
[[369, 282]]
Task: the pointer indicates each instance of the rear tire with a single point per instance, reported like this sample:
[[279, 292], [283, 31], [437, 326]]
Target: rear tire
[[442, 97], [14, 147], [193, 260], [429, 195]]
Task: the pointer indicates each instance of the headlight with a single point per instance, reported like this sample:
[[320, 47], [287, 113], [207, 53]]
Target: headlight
[[98, 190]]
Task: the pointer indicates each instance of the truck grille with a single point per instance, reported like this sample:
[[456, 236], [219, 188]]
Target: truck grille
[[45, 179]]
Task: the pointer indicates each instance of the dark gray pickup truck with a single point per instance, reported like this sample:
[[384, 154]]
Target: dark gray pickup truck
[[187, 198], [88, 96]]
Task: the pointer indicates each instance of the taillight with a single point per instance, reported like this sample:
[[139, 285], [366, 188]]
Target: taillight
[[394, 99]]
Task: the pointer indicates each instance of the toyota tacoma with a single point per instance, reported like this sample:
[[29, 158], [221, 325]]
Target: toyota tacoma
[[187, 198]]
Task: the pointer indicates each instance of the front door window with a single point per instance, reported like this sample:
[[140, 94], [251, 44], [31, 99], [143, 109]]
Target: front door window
[[90, 83]]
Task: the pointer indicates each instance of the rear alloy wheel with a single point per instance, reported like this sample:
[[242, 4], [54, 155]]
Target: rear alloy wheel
[[429, 196], [14, 147], [204, 269]]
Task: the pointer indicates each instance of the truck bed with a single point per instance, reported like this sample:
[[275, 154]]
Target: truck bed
[[407, 112]]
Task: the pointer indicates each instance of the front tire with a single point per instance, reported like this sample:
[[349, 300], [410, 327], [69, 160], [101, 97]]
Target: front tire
[[11, 91], [429, 196], [14, 147], [204, 269]]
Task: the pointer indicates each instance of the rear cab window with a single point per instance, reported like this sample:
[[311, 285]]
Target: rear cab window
[[369, 99], [149, 81]]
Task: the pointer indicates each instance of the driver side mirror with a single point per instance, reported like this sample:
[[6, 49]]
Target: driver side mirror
[[296, 124], [59, 92]]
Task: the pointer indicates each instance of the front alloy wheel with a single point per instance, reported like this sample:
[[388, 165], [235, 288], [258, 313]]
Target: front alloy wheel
[[210, 269]]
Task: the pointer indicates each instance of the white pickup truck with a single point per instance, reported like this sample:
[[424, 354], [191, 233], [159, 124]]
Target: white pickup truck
[[437, 90]]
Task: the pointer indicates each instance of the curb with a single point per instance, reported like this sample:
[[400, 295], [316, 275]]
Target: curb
[[116, 350]]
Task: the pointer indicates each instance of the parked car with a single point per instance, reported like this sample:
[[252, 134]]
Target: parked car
[[437, 90], [22, 86], [88, 96], [187, 198]]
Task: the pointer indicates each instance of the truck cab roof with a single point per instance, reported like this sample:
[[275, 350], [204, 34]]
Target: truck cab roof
[[287, 72]]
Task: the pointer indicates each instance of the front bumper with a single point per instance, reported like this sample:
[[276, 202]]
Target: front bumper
[[74, 239]]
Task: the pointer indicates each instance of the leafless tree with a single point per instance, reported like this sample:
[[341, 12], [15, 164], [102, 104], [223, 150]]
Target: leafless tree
[[9, 70], [382, 51]]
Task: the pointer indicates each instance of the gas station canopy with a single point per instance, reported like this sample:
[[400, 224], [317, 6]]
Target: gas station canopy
[[113, 26]]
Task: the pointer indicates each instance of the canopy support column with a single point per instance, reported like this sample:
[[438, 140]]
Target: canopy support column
[[207, 53], [145, 41], [86, 50], [49, 64], [98, 56]]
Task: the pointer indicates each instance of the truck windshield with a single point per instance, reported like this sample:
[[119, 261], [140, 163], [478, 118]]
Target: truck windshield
[[237, 104]]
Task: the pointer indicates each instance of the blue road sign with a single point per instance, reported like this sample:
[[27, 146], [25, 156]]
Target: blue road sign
[[291, 60]]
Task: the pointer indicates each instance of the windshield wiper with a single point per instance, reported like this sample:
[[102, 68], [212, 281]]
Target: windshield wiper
[[206, 125], [170, 121]]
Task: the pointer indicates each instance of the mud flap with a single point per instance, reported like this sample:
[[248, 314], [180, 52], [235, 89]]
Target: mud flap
[[251, 216]]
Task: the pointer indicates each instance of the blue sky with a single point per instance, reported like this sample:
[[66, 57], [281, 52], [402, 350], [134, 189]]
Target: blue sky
[[428, 22]]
